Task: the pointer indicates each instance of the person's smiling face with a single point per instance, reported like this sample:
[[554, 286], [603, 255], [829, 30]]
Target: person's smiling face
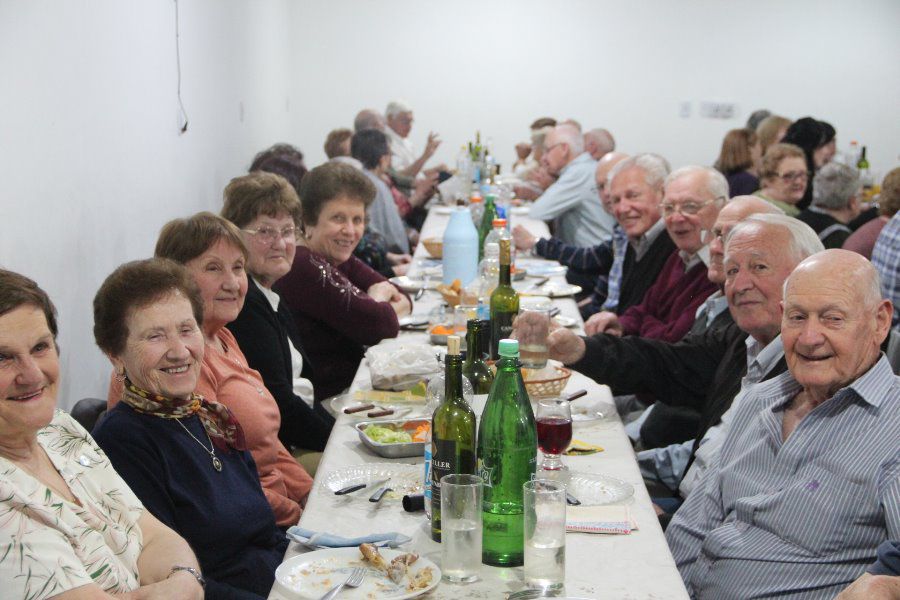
[[29, 372], [221, 276], [338, 230], [164, 348]]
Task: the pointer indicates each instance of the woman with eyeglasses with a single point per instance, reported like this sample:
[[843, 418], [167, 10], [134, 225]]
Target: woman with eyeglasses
[[339, 304], [266, 209], [784, 177]]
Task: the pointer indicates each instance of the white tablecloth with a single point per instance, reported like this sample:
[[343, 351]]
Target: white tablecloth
[[637, 565]]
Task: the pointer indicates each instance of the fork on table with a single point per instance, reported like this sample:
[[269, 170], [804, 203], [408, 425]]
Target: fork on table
[[355, 579]]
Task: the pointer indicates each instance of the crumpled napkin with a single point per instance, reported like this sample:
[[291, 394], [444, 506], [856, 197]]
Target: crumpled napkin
[[320, 539]]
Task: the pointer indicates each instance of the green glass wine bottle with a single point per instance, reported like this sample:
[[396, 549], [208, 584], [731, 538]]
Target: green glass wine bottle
[[487, 222], [507, 457], [452, 433], [504, 302], [474, 367]]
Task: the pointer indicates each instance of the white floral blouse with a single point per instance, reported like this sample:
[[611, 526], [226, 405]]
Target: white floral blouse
[[49, 545]]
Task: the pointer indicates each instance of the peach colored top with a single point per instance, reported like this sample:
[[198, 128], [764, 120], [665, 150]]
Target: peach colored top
[[226, 378]]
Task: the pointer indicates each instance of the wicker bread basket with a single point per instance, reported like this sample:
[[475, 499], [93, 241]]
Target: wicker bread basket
[[548, 388], [435, 246]]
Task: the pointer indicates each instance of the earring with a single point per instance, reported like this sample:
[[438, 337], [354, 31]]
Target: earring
[[120, 376]]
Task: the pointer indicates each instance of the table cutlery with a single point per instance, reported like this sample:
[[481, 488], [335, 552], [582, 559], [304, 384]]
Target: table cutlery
[[575, 395], [358, 486], [355, 579], [572, 500], [379, 494]]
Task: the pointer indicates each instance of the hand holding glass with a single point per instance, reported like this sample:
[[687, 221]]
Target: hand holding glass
[[531, 329]]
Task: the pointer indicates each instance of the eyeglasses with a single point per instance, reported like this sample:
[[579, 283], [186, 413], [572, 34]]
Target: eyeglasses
[[708, 235], [793, 176], [686, 209], [549, 148], [268, 235]]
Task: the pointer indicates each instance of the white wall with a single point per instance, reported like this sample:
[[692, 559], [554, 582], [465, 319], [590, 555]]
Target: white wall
[[91, 162], [496, 66]]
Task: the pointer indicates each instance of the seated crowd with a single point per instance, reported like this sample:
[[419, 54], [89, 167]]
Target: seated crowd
[[742, 315]]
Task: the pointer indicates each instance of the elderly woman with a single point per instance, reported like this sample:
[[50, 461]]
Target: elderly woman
[[70, 527], [784, 177], [184, 456], [266, 209], [339, 304], [214, 253], [739, 161]]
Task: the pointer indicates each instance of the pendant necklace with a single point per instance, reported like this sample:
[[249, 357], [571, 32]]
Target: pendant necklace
[[217, 464]]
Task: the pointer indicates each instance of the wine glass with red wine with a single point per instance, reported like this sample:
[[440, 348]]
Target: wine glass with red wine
[[554, 429]]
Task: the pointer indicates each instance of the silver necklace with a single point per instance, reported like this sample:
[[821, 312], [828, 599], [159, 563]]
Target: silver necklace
[[217, 464]]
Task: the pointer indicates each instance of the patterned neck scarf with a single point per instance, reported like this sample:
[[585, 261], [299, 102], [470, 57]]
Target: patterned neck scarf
[[218, 420]]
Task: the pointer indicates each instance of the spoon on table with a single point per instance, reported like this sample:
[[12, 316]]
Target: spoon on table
[[574, 396]]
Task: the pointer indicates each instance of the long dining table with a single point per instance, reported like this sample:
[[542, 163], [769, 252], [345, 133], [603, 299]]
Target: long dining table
[[603, 566]]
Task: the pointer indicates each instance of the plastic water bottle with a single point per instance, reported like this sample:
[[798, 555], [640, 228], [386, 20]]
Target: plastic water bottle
[[460, 248], [499, 232], [489, 273]]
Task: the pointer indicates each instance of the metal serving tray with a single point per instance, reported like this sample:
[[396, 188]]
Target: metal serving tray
[[403, 450]]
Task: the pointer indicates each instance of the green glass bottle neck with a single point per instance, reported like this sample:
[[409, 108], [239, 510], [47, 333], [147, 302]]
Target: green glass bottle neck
[[504, 275], [473, 335], [453, 387]]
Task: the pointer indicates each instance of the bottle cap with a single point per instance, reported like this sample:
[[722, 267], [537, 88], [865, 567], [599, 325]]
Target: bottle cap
[[499, 222], [453, 345], [509, 348], [475, 199]]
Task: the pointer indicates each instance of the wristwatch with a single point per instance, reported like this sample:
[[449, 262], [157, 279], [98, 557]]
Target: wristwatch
[[192, 571]]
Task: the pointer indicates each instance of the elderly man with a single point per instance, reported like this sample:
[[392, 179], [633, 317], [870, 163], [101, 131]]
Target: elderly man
[[571, 202], [369, 118], [835, 203], [693, 198], [807, 484], [585, 264], [669, 430], [705, 371], [399, 118], [598, 143]]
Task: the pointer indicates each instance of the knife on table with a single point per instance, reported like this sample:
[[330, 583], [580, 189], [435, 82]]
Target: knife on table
[[359, 486]]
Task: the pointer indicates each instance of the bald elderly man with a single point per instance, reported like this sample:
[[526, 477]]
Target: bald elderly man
[[807, 484], [571, 201]]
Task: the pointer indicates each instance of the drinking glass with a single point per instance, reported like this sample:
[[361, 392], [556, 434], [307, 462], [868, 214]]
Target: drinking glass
[[461, 497], [545, 534], [554, 429], [532, 329]]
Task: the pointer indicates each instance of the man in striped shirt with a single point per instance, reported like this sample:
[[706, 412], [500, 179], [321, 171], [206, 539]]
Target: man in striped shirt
[[808, 481]]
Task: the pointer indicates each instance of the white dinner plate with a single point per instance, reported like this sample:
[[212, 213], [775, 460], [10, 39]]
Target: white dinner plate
[[403, 479], [520, 210], [542, 268], [442, 209], [308, 576], [559, 290], [593, 489], [411, 285], [565, 321]]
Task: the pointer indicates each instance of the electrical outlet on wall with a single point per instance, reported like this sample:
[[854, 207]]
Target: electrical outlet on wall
[[711, 109]]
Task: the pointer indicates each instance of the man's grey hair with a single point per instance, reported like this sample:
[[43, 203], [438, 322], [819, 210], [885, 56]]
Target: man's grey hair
[[804, 241], [368, 119], [654, 166], [603, 138], [395, 108], [757, 117], [834, 186], [570, 136], [716, 184]]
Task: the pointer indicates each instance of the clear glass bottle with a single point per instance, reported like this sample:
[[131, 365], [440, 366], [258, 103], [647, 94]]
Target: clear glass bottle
[[507, 458]]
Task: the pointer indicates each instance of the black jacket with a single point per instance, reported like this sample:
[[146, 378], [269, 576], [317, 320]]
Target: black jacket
[[263, 336]]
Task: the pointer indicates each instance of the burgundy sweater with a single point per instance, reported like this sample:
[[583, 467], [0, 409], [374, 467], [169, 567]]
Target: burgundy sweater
[[335, 316], [667, 311]]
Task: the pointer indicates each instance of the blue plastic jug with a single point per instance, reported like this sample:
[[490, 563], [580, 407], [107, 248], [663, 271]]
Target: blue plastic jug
[[460, 249]]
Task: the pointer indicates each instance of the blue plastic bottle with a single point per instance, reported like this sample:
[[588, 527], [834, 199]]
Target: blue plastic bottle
[[460, 248]]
